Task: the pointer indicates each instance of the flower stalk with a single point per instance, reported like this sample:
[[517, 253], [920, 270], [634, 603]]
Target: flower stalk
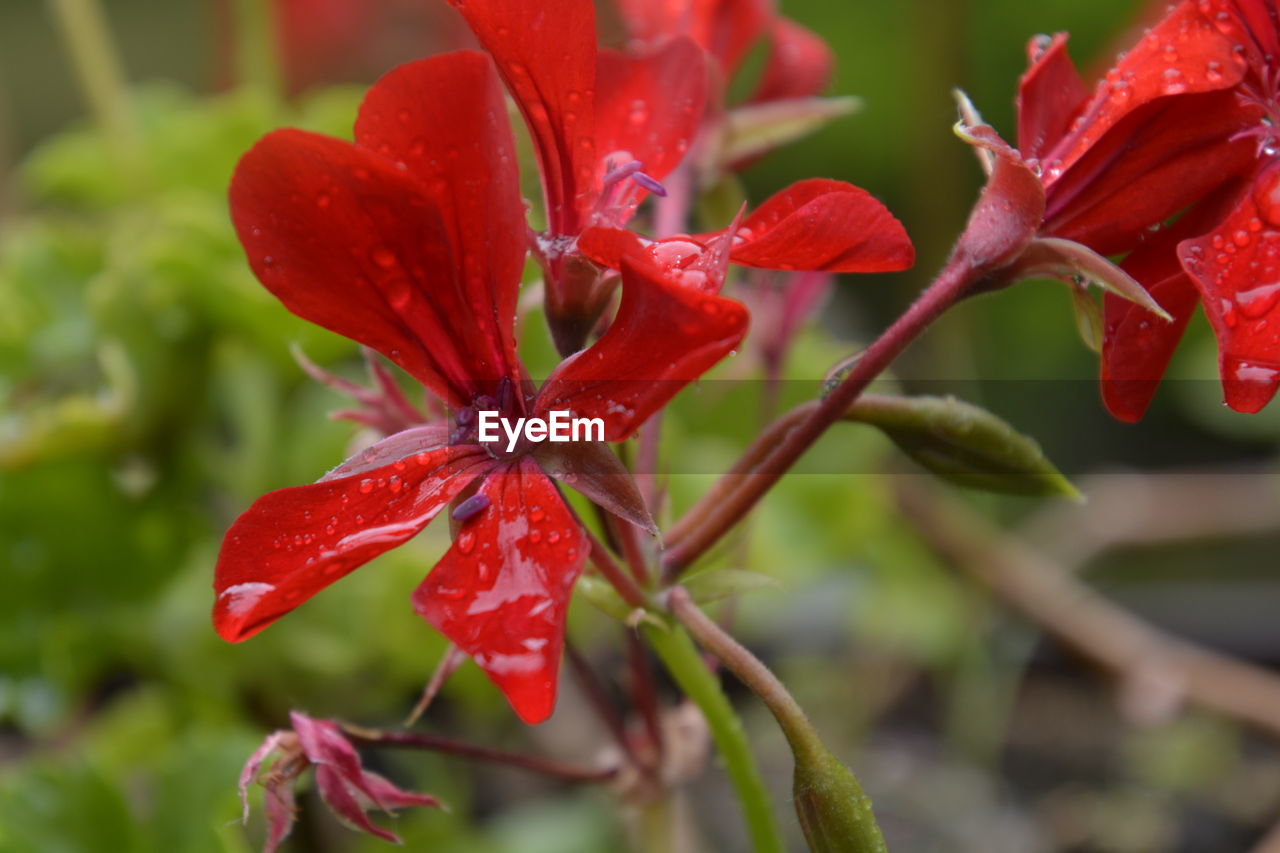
[[86, 35], [834, 812], [683, 660]]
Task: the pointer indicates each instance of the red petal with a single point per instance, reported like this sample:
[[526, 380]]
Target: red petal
[[294, 542], [698, 264], [1049, 96], [665, 335], [501, 591], [347, 240], [322, 742], [445, 120], [388, 796], [800, 64], [1156, 163], [607, 246], [1237, 270], [650, 106], [343, 803], [826, 225], [252, 767], [1183, 54], [1137, 346], [281, 812], [547, 55], [724, 28]]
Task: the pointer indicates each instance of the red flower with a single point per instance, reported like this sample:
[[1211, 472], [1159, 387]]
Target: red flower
[[607, 127], [1157, 137], [817, 224], [799, 63], [345, 786], [412, 241]]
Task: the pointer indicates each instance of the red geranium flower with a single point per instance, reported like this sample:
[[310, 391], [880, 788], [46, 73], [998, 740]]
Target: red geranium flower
[[412, 241], [606, 126], [1158, 137]]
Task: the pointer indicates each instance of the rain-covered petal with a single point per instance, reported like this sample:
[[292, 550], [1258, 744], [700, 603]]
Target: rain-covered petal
[[826, 225], [547, 55], [292, 543], [1153, 165], [1184, 53], [350, 241], [444, 119], [665, 335], [1049, 95], [649, 105], [501, 591], [1236, 268], [1136, 346]]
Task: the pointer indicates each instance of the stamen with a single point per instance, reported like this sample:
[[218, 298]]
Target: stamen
[[649, 183], [470, 508], [620, 173]]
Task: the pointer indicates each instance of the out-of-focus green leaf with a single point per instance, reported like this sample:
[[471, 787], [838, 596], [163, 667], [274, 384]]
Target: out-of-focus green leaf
[[718, 584]]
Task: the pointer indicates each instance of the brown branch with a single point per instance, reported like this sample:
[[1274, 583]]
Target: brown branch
[[1157, 669]]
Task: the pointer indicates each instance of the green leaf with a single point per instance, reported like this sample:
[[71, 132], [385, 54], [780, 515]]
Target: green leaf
[[757, 129], [603, 597], [718, 584], [964, 444], [1088, 317]]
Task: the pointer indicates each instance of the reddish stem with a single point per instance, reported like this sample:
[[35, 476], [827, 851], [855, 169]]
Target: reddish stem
[[434, 743], [613, 573], [714, 521]]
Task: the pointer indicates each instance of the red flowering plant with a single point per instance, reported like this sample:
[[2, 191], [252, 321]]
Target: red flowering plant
[[413, 240], [1165, 163]]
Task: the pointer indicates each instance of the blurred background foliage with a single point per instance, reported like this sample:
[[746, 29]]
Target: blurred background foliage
[[147, 395]]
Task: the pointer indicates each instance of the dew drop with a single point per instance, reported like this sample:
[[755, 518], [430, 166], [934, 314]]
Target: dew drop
[[1259, 301], [466, 542], [383, 257], [1266, 194]]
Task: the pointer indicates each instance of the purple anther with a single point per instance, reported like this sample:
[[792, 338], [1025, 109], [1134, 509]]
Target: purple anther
[[462, 433], [465, 416], [649, 183], [626, 170], [470, 508], [506, 394]]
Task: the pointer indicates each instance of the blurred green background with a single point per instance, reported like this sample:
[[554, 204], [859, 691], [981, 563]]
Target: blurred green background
[[147, 396]]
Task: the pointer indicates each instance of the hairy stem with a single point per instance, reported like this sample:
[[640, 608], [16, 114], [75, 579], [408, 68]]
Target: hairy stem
[[684, 662], [715, 520]]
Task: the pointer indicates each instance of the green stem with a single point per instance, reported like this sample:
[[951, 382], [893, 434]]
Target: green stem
[[257, 57], [88, 43], [683, 661]]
